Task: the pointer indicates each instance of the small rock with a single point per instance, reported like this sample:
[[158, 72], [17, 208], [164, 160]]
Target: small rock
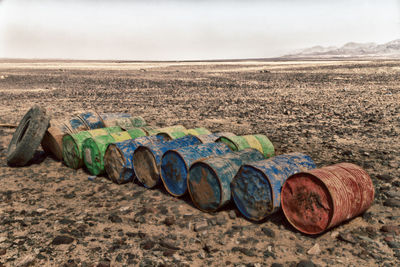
[[384, 177], [395, 203], [170, 220], [268, 232], [92, 178], [3, 239], [390, 229], [221, 220], [103, 264], [232, 214], [3, 252], [200, 226], [305, 263], [315, 250], [26, 261], [115, 218], [41, 210], [245, 251], [388, 238], [148, 244], [276, 265], [393, 244], [62, 240], [347, 237]]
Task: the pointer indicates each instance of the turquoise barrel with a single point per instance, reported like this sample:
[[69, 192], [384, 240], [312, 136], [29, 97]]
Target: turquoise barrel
[[147, 159], [175, 164], [118, 159], [209, 181], [92, 120], [256, 188]]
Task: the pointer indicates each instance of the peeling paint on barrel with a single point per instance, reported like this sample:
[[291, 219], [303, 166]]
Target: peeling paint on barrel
[[52, 139], [175, 164], [319, 199], [76, 125], [72, 145], [147, 159], [256, 188], [92, 120], [257, 141], [118, 158], [209, 181]]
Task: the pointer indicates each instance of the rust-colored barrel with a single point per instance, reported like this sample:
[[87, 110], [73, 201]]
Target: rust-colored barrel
[[52, 139], [319, 199]]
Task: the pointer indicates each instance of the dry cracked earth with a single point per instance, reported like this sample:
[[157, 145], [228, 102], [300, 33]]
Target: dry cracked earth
[[334, 111]]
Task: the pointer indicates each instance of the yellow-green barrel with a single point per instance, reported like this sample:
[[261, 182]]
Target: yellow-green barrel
[[257, 141], [178, 134], [72, 145]]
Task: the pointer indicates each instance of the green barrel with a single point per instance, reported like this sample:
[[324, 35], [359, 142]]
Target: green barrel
[[178, 134], [148, 129], [72, 145], [94, 148], [93, 152], [257, 141], [138, 121], [137, 132]]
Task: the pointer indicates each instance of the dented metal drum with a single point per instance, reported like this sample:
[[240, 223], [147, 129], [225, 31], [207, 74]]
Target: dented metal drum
[[94, 148], [319, 199], [175, 164], [92, 120], [72, 145], [118, 158], [147, 159], [256, 188], [257, 141], [209, 181]]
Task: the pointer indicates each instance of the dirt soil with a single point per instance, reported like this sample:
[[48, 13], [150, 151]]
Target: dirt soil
[[335, 111]]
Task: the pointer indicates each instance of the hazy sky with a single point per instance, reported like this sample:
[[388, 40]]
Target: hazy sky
[[179, 29]]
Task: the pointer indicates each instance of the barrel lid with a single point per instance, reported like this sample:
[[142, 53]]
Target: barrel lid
[[307, 202], [114, 162], [174, 172]]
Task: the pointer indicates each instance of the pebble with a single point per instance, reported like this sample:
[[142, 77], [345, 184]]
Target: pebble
[[2, 239], [41, 210], [62, 240], [395, 203], [390, 229], [305, 263], [3, 251], [115, 218], [315, 250], [245, 251], [276, 265], [384, 177], [170, 220], [268, 232], [200, 226], [232, 214], [393, 244]]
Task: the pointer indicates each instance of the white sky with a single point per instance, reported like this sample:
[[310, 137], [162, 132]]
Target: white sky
[[188, 30]]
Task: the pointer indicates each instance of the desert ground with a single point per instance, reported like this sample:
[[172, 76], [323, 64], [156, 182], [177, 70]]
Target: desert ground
[[334, 111]]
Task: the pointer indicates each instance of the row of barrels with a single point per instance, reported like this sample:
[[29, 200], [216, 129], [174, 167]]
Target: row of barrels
[[215, 168]]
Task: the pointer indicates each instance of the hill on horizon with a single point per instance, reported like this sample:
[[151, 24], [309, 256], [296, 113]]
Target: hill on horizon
[[351, 50]]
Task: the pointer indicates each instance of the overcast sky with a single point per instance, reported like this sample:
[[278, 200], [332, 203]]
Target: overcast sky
[[188, 30]]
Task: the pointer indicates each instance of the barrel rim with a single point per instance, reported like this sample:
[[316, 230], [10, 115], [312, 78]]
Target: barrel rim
[[122, 156], [162, 176], [70, 137], [134, 161], [271, 208], [329, 198], [201, 162], [85, 122]]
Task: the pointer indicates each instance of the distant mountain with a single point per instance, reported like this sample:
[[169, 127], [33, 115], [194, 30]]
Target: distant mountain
[[351, 50]]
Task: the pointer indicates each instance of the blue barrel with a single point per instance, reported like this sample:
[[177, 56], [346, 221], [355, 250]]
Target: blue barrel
[[147, 159], [256, 189], [92, 120], [76, 125], [119, 157], [175, 164], [209, 181], [113, 116]]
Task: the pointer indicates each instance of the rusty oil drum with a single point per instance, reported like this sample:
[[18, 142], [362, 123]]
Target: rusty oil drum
[[175, 164], [118, 158], [147, 159], [169, 129], [319, 199], [209, 181], [256, 188]]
